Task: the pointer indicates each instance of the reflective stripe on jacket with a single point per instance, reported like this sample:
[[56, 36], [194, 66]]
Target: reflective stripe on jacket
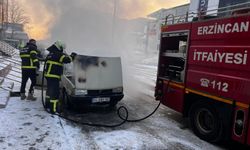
[[54, 64], [28, 57]]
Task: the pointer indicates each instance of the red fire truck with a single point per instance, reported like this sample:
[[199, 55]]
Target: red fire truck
[[204, 73]]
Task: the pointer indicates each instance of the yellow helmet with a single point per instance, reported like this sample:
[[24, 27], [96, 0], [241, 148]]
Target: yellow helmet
[[60, 45]]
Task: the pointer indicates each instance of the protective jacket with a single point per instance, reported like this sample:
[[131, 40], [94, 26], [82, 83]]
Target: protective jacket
[[54, 64], [28, 56]]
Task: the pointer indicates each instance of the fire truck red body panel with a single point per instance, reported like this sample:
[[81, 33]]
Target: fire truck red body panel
[[178, 27], [225, 70], [173, 92], [217, 66]]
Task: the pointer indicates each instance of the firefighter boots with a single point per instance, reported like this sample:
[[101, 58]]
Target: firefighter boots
[[23, 96], [54, 107], [31, 97]]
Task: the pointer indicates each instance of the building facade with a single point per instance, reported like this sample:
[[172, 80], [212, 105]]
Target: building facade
[[223, 3], [210, 8], [14, 33], [156, 19], [215, 7]]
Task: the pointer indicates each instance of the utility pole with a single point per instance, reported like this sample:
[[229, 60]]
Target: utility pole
[[7, 14], [114, 22]]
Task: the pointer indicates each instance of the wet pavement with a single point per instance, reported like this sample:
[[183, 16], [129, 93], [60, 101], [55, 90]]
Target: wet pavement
[[25, 125]]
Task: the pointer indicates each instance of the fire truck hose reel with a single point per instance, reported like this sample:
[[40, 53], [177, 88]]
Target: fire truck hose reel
[[124, 117]]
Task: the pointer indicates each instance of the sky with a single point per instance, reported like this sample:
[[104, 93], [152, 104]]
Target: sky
[[45, 14]]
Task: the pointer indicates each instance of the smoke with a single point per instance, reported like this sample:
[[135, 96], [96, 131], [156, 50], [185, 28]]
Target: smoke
[[42, 17], [90, 27], [50, 17], [84, 26]]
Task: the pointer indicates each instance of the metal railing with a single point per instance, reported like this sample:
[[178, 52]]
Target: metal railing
[[10, 67], [194, 15], [7, 49], [5, 71]]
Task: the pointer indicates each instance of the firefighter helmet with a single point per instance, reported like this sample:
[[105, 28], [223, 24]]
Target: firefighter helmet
[[60, 45], [33, 41]]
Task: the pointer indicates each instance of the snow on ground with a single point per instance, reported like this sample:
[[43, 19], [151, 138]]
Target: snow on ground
[[25, 124]]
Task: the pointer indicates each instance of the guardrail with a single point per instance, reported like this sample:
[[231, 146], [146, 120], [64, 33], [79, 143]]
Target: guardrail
[[6, 49], [5, 71], [194, 15], [9, 62]]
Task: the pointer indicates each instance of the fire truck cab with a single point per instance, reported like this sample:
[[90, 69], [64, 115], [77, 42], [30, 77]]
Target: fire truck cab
[[204, 73]]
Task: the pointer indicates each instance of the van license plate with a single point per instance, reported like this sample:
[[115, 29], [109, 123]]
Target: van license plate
[[100, 99]]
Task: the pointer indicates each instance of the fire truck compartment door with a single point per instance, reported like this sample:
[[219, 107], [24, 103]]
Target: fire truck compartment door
[[173, 96]]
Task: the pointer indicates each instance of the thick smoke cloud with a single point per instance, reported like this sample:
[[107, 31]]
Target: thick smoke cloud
[[90, 27], [86, 24], [43, 14]]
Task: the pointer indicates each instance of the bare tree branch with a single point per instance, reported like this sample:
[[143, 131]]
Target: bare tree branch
[[17, 13]]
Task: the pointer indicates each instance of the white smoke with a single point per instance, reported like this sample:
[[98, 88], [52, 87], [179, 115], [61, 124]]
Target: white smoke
[[87, 24], [90, 27], [41, 17]]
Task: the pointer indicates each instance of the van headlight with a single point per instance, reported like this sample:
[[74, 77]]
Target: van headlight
[[81, 92], [117, 90]]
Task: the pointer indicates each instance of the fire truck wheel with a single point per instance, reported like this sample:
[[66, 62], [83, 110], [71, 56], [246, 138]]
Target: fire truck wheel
[[205, 122]]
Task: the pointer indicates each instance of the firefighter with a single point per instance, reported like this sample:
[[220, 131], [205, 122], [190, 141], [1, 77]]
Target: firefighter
[[29, 66], [21, 45], [53, 71]]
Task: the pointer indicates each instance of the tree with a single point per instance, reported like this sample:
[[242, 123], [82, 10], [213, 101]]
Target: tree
[[3, 11], [16, 13]]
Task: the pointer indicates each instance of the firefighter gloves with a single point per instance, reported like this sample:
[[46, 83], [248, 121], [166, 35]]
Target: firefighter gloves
[[73, 55]]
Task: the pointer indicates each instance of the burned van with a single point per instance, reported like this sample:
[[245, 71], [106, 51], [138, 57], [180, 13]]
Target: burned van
[[92, 80]]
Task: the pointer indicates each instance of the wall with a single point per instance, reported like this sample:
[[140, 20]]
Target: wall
[[153, 28], [212, 5]]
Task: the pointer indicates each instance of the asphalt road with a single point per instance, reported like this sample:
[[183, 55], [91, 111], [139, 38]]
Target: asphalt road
[[25, 125]]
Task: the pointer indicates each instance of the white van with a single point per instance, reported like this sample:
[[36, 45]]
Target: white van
[[91, 80]]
